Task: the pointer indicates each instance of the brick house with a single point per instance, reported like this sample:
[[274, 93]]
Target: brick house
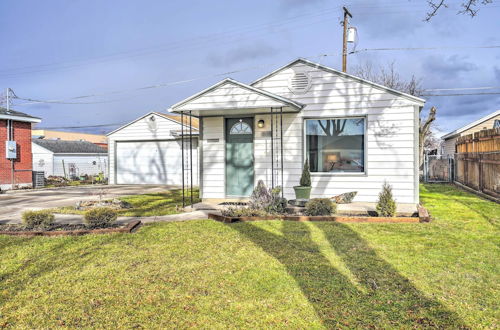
[[15, 157]]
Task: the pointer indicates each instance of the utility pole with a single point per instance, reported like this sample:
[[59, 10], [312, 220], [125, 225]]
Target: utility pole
[[344, 45]]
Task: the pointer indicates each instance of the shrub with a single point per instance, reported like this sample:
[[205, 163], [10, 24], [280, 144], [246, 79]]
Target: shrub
[[305, 179], [38, 219], [269, 200], [278, 203], [320, 206], [386, 205], [261, 197], [100, 217]]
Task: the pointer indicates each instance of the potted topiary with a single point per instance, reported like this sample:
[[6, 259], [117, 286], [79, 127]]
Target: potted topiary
[[304, 190]]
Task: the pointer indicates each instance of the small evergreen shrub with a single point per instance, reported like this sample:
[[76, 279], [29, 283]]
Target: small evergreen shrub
[[100, 217], [261, 197], [305, 179], [386, 205], [320, 206], [269, 200], [38, 219]]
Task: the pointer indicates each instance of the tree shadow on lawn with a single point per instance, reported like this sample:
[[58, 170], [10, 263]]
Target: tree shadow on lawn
[[58, 254], [376, 295]]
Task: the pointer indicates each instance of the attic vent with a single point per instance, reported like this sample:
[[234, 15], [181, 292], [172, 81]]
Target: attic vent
[[299, 83]]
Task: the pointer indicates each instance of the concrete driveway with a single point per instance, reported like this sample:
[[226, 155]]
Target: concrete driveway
[[13, 203]]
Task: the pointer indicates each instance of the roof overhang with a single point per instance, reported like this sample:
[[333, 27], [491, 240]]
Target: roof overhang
[[230, 97], [20, 118]]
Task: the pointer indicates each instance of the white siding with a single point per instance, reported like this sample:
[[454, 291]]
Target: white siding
[[229, 96], [154, 162], [390, 156], [141, 130], [77, 165], [448, 147], [213, 148], [42, 159]]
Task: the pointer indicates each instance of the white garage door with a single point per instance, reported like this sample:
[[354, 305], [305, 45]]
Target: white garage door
[[152, 162]]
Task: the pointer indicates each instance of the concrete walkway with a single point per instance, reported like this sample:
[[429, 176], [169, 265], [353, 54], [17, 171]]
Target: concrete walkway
[[76, 218], [13, 203]]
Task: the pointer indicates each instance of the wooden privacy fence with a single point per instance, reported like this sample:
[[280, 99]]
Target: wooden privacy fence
[[479, 171], [487, 140]]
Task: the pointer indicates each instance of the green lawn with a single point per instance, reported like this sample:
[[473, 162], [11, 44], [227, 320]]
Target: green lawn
[[146, 205], [265, 274]]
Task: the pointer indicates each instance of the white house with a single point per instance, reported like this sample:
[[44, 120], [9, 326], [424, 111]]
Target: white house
[[148, 151], [491, 120], [355, 134], [68, 158]]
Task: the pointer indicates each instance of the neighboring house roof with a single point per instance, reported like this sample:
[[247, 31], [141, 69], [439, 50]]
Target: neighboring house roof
[[70, 147], [469, 126], [176, 118], [273, 97], [343, 74], [68, 136], [18, 116]]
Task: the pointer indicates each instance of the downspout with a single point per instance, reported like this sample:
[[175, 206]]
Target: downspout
[[10, 136]]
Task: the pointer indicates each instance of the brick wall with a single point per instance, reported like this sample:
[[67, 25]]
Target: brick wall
[[23, 162]]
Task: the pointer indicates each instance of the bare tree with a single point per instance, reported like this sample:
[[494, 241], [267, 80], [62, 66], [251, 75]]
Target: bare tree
[[431, 142], [469, 7], [389, 77]]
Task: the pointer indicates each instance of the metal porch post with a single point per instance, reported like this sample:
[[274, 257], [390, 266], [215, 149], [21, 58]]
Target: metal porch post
[[272, 149], [182, 161], [281, 153], [191, 156]]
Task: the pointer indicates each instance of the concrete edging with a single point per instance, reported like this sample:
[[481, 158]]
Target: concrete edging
[[423, 217]]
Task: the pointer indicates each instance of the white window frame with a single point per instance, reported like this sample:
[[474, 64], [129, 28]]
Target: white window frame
[[365, 145]]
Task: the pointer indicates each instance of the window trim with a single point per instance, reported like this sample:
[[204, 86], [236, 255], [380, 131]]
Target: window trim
[[365, 145]]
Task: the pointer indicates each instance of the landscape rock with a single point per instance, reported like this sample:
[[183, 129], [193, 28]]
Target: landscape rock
[[345, 198]]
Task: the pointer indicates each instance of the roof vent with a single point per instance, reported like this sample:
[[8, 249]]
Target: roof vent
[[299, 83]]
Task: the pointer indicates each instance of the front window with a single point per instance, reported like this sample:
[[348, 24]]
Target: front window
[[336, 145]]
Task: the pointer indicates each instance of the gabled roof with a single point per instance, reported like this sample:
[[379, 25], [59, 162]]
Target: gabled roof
[[70, 147], [277, 100], [175, 118], [18, 116], [471, 125], [342, 74]]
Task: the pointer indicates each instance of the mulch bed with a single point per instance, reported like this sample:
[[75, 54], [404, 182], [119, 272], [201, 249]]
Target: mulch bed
[[67, 230], [423, 216]]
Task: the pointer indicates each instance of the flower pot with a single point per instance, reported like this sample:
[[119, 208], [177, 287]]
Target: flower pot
[[302, 192]]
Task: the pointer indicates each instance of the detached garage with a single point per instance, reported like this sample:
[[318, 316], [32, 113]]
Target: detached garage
[[148, 151]]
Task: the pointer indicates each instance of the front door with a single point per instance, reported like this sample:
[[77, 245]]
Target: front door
[[239, 157]]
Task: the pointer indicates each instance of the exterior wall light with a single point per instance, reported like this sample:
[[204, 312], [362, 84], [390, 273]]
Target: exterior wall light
[[260, 123]]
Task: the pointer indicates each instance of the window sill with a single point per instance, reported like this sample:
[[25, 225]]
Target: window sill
[[359, 174]]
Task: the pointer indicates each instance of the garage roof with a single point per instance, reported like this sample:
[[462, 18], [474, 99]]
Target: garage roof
[[70, 147]]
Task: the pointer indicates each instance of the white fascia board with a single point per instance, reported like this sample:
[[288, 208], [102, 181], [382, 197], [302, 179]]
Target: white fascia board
[[20, 118]]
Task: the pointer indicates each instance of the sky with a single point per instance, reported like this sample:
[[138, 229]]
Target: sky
[[59, 50]]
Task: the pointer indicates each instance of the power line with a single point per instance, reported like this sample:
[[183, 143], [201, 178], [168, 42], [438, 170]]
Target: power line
[[179, 82], [207, 39], [462, 94], [460, 89], [423, 48]]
